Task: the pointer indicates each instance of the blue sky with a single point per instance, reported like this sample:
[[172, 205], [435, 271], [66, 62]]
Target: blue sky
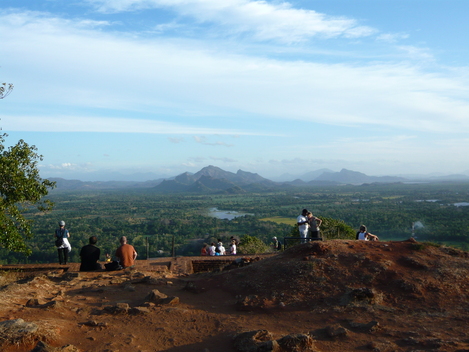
[[162, 87]]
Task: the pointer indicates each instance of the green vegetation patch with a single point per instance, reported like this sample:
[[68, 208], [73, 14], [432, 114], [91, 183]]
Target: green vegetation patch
[[280, 220]]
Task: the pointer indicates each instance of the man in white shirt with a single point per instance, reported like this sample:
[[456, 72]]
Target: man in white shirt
[[302, 222]]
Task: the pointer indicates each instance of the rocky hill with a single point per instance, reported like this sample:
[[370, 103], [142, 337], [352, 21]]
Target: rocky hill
[[212, 179], [321, 296]]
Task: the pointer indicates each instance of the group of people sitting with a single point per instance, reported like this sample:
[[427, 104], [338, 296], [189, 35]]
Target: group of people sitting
[[90, 254], [218, 248]]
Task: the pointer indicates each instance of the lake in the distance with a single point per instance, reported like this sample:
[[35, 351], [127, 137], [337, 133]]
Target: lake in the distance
[[225, 214], [462, 204]]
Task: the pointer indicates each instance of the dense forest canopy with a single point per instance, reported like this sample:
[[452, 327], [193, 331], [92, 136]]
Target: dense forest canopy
[[151, 221]]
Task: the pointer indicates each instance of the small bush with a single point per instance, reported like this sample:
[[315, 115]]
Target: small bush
[[417, 246], [252, 245]]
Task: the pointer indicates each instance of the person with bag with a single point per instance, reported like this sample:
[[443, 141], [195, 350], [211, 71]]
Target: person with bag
[[61, 236]]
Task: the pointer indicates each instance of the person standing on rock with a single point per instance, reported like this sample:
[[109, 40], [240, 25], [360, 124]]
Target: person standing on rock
[[90, 255], [314, 224], [302, 222], [126, 253], [61, 236]]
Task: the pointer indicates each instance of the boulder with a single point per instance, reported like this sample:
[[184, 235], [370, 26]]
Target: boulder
[[119, 308], [156, 296], [44, 347], [297, 343], [173, 300], [255, 341], [16, 327]]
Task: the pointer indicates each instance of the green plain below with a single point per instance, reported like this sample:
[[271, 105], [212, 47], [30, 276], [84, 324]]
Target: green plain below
[[280, 220]]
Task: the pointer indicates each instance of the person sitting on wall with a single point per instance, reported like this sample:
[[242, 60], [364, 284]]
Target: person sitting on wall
[[203, 250], [211, 249], [233, 247]]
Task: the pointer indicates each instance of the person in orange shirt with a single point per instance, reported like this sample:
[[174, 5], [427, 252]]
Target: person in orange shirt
[[126, 253]]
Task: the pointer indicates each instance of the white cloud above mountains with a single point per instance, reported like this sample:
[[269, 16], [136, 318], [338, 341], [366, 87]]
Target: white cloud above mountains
[[190, 74], [100, 70]]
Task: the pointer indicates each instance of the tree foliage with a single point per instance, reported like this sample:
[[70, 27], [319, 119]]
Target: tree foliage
[[252, 245], [336, 229], [21, 188]]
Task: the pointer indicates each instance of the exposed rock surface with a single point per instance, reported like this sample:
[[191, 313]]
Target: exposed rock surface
[[323, 296]]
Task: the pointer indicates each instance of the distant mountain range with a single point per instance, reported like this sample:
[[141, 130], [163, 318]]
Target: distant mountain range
[[212, 179]]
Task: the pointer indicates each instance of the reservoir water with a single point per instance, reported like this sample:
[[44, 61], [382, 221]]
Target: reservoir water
[[225, 214]]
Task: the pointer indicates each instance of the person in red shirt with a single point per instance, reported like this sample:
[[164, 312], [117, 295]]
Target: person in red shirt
[[204, 251], [126, 253]]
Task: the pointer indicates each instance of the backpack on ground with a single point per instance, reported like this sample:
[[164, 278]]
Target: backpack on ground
[[113, 266]]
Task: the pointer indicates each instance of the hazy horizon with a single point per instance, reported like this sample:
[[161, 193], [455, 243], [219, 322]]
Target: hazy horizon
[[142, 177], [158, 87]]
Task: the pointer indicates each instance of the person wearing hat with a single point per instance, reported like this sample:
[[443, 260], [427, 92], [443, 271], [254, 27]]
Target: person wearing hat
[[277, 246], [61, 242]]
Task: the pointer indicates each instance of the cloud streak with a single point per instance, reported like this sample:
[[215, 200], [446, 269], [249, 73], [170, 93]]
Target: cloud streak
[[155, 78], [181, 75], [112, 125], [265, 21]]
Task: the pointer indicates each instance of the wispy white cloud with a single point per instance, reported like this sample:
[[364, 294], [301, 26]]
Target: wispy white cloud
[[265, 20], [86, 167], [75, 74], [110, 125], [416, 53], [392, 37], [203, 140], [224, 160], [161, 80], [176, 140], [196, 160], [46, 22]]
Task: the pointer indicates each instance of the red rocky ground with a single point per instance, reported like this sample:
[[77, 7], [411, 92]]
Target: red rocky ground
[[340, 295]]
